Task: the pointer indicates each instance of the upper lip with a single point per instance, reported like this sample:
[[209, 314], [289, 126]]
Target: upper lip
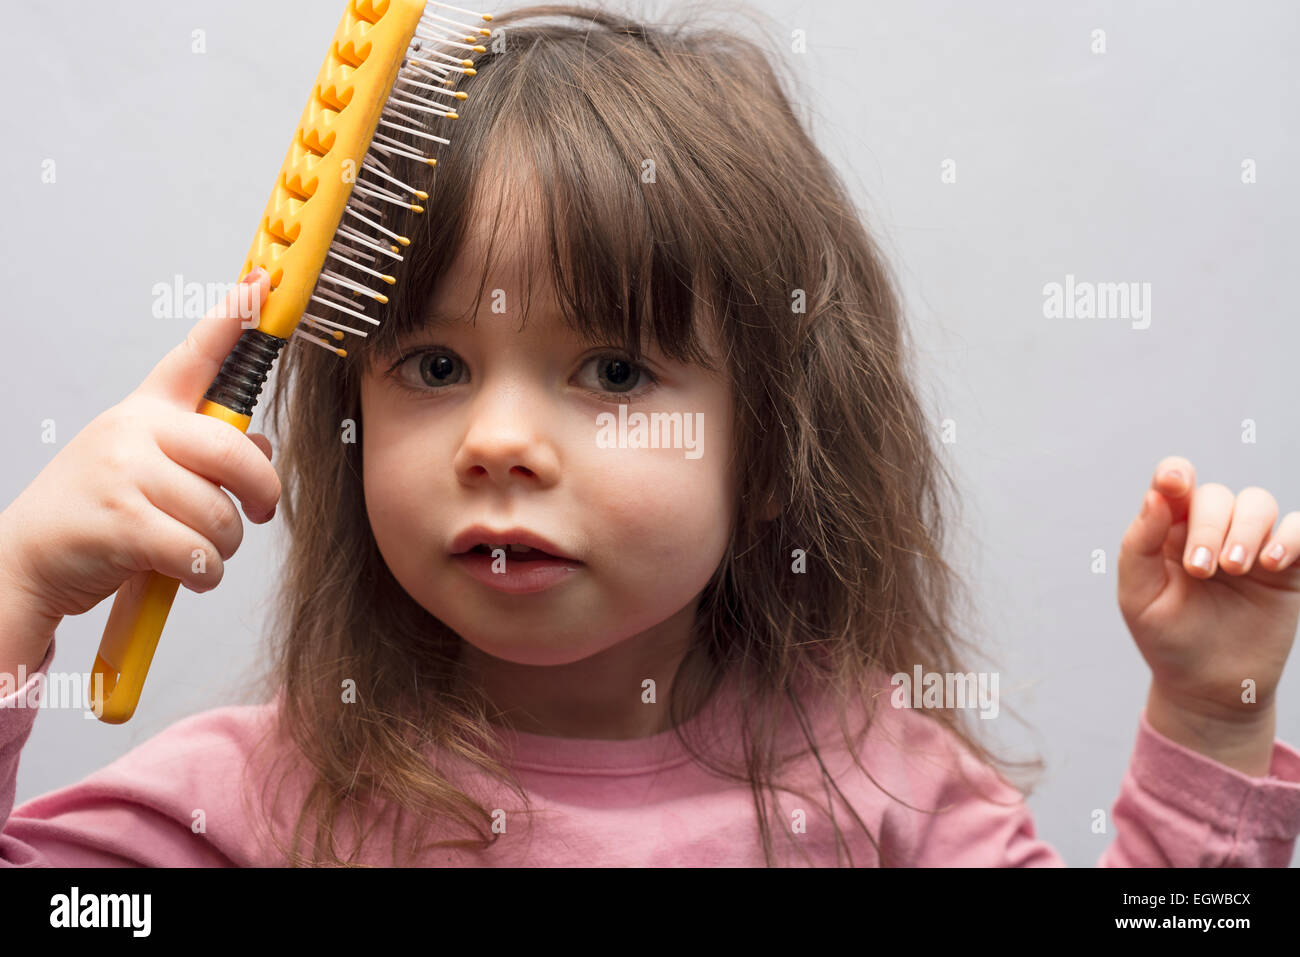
[[482, 535]]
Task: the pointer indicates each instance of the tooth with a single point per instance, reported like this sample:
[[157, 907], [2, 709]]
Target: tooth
[[520, 548]]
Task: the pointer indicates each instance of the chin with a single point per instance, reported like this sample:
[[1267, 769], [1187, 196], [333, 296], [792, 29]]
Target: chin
[[522, 639], [530, 655]]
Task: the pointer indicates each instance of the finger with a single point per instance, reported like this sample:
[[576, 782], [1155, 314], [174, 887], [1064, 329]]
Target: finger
[[1175, 479], [225, 456], [1253, 516], [174, 549], [1207, 524], [198, 504], [1287, 537], [1176, 539], [185, 373], [263, 443], [1141, 574]]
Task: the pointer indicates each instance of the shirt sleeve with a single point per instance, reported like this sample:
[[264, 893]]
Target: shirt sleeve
[[1176, 808], [1179, 808], [167, 803]]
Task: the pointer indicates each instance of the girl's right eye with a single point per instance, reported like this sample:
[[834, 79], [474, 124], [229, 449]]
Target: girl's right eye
[[430, 369]]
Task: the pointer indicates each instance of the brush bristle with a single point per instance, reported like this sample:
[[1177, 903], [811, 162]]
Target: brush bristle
[[327, 237]]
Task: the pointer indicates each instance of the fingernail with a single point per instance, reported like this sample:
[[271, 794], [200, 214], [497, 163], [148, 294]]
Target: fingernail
[[1201, 558], [1276, 552], [1237, 555], [1175, 476], [255, 270]]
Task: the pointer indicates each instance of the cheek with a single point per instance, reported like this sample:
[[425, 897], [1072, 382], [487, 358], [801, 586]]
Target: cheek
[[668, 514], [386, 500], [395, 478]]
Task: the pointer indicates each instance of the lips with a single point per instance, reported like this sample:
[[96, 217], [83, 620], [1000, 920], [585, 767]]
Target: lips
[[521, 544], [517, 553]]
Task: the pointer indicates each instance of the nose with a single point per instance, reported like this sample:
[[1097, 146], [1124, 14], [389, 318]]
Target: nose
[[506, 443]]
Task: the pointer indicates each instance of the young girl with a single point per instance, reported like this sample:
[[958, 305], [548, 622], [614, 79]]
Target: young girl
[[696, 664]]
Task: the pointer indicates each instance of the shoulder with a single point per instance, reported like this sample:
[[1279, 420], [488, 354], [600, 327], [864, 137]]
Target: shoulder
[[195, 758], [187, 796], [899, 739], [202, 744], [952, 807]]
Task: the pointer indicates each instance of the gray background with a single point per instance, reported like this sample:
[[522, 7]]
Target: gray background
[[1116, 167]]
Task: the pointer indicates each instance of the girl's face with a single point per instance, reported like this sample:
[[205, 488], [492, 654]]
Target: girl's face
[[500, 427]]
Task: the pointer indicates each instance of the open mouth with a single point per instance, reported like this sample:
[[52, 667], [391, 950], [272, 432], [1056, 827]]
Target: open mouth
[[522, 570], [517, 553]]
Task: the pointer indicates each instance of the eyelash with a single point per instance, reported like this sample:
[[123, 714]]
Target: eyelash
[[618, 398]]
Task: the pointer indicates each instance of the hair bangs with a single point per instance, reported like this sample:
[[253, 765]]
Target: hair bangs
[[559, 177]]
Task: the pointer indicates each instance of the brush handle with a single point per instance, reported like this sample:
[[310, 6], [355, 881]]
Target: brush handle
[[140, 608]]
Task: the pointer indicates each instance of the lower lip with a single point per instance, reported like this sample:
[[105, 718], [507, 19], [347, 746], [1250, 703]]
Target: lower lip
[[519, 577]]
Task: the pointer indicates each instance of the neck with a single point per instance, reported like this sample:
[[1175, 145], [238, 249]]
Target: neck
[[603, 696]]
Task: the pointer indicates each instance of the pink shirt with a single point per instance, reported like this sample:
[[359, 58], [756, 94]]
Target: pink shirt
[[643, 802]]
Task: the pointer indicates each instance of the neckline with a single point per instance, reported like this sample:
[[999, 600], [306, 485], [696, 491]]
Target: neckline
[[544, 752]]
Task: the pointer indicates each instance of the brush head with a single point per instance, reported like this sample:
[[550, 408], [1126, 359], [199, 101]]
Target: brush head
[[322, 237]]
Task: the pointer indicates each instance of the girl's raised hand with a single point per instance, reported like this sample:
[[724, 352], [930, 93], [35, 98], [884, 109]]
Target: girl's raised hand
[[138, 489], [1210, 591]]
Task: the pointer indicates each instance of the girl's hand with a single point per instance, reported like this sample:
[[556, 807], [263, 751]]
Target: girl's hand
[[137, 489], [1213, 610]]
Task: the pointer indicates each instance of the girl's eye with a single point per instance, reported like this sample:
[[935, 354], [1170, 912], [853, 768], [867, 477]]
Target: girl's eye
[[431, 369], [617, 374]]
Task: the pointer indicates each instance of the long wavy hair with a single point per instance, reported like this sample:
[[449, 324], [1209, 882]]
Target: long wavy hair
[[677, 181]]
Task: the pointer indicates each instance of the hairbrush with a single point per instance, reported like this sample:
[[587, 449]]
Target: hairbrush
[[322, 239]]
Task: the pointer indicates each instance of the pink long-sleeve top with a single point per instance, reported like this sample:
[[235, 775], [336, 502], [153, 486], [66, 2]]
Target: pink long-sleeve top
[[644, 802]]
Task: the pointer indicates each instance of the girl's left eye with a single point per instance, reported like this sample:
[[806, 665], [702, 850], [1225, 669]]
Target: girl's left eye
[[435, 368], [616, 375], [619, 374]]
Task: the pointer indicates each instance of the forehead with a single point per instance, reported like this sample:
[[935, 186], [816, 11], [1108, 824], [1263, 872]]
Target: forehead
[[501, 265], [509, 298], [509, 283]]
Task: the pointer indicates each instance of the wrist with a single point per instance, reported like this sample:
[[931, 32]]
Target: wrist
[[26, 624], [1240, 740]]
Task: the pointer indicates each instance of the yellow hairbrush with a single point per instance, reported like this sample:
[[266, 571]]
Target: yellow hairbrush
[[322, 239]]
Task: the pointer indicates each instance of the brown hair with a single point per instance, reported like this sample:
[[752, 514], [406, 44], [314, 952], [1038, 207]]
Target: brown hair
[[741, 213]]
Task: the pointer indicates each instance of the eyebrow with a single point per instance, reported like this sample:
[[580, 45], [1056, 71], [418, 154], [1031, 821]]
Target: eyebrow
[[433, 321], [437, 318], [429, 322]]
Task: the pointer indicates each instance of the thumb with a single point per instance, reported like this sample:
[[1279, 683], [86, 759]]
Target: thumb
[[185, 373], [1142, 573]]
